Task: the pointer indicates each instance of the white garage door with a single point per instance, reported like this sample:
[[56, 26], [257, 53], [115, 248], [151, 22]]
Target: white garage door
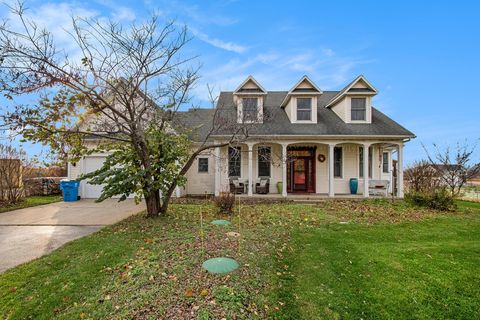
[[90, 190]]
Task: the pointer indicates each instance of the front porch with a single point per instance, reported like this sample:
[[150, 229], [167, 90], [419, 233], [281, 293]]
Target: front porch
[[311, 197], [310, 169]]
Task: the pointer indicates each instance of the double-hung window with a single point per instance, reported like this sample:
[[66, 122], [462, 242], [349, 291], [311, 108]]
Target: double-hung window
[[264, 161], [202, 165], [359, 109], [250, 109], [304, 109], [234, 161], [385, 162], [337, 162], [360, 162]]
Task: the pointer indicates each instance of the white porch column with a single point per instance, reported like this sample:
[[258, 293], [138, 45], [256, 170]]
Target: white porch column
[[400, 170], [217, 171], [366, 165], [331, 178], [250, 169], [284, 170]]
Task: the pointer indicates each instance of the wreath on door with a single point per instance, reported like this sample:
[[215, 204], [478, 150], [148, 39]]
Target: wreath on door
[[321, 157]]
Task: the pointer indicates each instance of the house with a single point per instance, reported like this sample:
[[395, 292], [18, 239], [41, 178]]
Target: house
[[302, 141], [427, 176], [474, 176]]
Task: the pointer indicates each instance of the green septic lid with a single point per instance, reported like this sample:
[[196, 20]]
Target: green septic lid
[[221, 222], [220, 265]]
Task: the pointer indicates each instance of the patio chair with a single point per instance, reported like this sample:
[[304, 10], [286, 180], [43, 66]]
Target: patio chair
[[236, 186], [263, 186]]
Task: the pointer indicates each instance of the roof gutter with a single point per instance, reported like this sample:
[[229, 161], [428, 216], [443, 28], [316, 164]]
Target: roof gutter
[[323, 136]]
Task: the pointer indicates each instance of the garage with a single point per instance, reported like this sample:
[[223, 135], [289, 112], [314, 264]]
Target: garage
[[91, 164]]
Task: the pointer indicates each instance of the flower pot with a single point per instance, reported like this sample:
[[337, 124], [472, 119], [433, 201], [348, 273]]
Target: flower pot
[[353, 185], [280, 187]]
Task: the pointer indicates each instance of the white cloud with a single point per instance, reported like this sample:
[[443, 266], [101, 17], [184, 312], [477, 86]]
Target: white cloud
[[225, 45], [199, 16], [328, 52], [123, 14], [57, 19]]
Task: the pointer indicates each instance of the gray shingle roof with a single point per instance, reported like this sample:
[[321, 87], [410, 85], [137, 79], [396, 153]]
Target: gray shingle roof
[[276, 121], [197, 122]]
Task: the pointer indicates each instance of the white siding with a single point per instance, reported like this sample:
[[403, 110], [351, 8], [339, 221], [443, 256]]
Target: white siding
[[343, 109], [199, 183]]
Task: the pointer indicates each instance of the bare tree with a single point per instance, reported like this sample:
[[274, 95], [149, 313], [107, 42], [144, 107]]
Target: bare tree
[[453, 166], [12, 164], [123, 86]]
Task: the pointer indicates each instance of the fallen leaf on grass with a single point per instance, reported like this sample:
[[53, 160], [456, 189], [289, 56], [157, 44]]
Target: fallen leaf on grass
[[189, 293]]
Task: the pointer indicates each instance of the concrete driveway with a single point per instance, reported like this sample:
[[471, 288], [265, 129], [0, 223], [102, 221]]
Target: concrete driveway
[[30, 233]]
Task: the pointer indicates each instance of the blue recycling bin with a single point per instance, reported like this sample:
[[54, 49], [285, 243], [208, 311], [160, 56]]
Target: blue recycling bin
[[70, 190]]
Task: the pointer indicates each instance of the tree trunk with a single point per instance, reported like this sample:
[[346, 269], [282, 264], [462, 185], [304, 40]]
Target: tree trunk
[[171, 189], [153, 204], [167, 197]]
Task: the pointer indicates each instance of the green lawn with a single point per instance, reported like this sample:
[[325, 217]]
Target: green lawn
[[421, 270], [31, 202], [336, 260]]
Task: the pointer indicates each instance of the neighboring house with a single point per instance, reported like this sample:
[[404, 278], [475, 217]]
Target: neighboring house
[[451, 173], [311, 141], [426, 175], [474, 176]]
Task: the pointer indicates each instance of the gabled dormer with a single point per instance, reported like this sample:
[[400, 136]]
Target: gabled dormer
[[300, 103], [354, 103], [249, 99]]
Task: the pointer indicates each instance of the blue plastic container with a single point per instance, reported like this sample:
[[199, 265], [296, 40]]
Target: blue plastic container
[[70, 190], [353, 185]]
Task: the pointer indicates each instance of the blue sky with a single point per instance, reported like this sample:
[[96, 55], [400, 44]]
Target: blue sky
[[421, 56]]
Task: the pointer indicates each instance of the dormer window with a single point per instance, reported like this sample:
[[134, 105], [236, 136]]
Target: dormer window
[[359, 109], [304, 109], [353, 104], [250, 109], [300, 102], [249, 99]]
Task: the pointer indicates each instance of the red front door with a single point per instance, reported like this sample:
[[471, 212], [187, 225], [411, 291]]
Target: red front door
[[302, 175]]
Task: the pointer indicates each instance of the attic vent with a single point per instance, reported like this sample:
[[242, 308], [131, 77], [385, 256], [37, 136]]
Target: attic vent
[[250, 90], [360, 90]]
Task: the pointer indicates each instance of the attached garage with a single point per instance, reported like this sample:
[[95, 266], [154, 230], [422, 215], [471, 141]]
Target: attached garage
[[87, 165], [90, 190]]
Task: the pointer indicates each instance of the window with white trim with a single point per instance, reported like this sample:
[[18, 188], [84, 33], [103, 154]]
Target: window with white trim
[[359, 109], [385, 162], [250, 109], [337, 162], [264, 161], [234, 161], [202, 165], [360, 162], [304, 109]]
